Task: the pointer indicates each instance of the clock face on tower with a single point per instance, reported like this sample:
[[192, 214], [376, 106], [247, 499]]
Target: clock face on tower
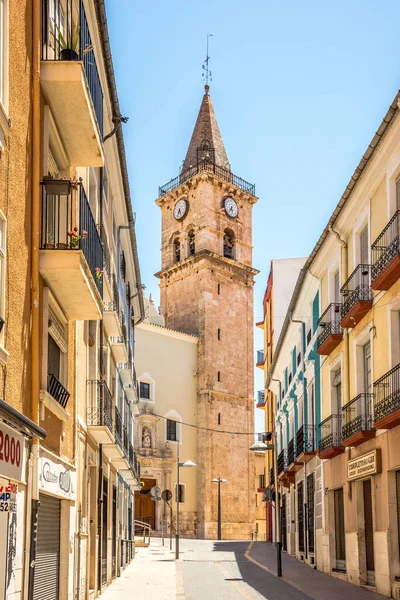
[[180, 209], [231, 208]]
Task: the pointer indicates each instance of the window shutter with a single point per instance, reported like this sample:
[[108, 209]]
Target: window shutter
[[364, 246]]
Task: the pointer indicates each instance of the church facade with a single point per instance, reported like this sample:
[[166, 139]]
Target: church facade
[[206, 284]]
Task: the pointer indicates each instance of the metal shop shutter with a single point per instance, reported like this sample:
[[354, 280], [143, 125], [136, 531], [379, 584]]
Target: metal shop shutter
[[47, 564]]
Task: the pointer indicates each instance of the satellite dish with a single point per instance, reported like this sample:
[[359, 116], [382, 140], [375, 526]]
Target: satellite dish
[[155, 491], [166, 495]]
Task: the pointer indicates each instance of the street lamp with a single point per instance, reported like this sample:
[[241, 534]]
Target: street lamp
[[262, 447], [219, 480], [187, 463]]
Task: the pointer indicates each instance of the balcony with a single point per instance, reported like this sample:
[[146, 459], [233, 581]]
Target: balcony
[[260, 359], [115, 450], [127, 373], [357, 296], [118, 348], [71, 82], [100, 412], [260, 399], [387, 400], [111, 312], [330, 443], [386, 255], [331, 333], [305, 443], [294, 464], [210, 167], [71, 253], [284, 475], [358, 420], [132, 474], [55, 398]]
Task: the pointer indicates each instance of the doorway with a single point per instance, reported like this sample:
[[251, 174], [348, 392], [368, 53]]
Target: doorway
[[114, 534], [310, 512], [284, 523], [145, 507], [340, 545], [104, 532], [369, 532]]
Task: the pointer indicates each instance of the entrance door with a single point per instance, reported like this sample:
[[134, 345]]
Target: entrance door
[[310, 512], [114, 534], [284, 522], [369, 532], [104, 532], [398, 505], [300, 515], [47, 564], [340, 545], [145, 507]]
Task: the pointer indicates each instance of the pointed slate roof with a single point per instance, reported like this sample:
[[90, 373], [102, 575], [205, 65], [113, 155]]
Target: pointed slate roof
[[205, 131]]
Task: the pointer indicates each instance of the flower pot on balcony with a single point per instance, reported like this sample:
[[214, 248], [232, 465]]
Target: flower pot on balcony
[[68, 54], [49, 246], [57, 187], [62, 246]]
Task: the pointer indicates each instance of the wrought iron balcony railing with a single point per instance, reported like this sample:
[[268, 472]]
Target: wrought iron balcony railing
[[329, 323], [106, 252], [282, 461], [57, 391], [357, 288], [357, 415], [66, 37], [260, 396], [64, 228], [387, 394], [330, 432], [272, 476], [100, 404], [291, 452], [211, 167], [118, 427], [260, 356], [305, 439], [386, 246]]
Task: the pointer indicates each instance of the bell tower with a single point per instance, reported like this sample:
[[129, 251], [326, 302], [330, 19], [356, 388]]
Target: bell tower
[[206, 283]]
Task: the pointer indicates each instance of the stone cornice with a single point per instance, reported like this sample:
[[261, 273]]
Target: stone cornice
[[209, 255]]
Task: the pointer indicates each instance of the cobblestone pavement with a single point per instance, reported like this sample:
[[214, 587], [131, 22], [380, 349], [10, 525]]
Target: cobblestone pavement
[[210, 570]]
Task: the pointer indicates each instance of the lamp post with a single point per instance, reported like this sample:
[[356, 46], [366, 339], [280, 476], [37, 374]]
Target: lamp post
[[262, 447], [219, 480], [187, 463]]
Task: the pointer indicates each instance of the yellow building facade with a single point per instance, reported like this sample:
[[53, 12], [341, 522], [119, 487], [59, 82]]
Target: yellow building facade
[[347, 298]]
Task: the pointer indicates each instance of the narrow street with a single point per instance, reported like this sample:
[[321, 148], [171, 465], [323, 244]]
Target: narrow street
[[211, 570]]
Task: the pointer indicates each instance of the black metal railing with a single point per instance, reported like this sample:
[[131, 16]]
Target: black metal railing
[[387, 394], [329, 323], [357, 415], [115, 293], [260, 356], [211, 167], [261, 396], [133, 461], [386, 246], [291, 452], [305, 439], [57, 391], [271, 476], [106, 252], [100, 404], [125, 441], [357, 288], [63, 228], [118, 427], [66, 37], [330, 432], [282, 461]]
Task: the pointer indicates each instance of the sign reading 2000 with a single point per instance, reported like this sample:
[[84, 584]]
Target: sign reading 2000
[[11, 453]]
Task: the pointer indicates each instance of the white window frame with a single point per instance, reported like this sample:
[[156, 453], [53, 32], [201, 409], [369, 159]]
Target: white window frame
[[366, 335], [392, 174], [393, 314], [333, 268], [183, 486], [147, 378], [172, 415], [333, 367], [363, 221]]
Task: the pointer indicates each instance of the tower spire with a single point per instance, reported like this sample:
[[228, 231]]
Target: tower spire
[[207, 75]]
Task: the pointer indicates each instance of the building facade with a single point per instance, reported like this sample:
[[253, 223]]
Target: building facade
[[206, 283], [71, 296], [166, 365], [345, 305]]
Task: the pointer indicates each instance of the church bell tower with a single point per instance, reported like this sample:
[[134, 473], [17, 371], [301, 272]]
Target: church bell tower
[[206, 283]]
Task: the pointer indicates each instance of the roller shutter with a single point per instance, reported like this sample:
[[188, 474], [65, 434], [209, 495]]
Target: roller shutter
[[47, 564]]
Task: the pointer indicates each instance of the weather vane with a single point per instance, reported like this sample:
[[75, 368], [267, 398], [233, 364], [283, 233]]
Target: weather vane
[[207, 75]]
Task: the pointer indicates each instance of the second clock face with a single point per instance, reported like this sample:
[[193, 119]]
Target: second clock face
[[231, 208], [180, 209]]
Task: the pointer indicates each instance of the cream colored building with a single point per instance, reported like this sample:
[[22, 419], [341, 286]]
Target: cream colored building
[[166, 366], [260, 504]]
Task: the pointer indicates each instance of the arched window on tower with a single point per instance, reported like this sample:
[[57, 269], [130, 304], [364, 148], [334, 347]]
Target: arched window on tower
[[192, 243], [177, 250], [229, 243]]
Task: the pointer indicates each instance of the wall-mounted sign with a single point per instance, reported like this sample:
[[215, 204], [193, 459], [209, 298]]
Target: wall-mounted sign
[[365, 465], [12, 453], [57, 478]]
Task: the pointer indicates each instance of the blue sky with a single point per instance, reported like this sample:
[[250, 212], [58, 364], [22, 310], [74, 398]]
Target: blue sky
[[299, 88]]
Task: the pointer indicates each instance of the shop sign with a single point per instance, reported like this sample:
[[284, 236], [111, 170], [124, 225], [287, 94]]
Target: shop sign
[[57, 478], [365, 465], [12, 453]]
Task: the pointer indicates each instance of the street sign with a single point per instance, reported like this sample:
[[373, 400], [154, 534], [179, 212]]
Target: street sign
[[166, 495], [155, 491]]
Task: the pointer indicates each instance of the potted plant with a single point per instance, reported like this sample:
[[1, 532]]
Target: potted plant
[[68, 48], [75, 237], [56, 187]]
